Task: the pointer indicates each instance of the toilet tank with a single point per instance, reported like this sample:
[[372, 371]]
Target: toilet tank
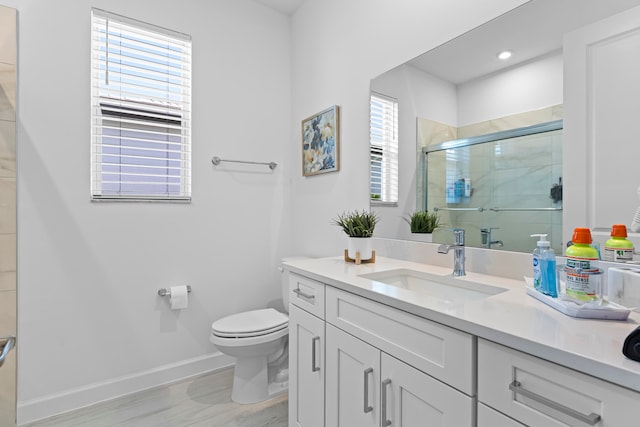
[[285, 281]]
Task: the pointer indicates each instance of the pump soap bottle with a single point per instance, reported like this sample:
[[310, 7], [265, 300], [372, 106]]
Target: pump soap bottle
[[544, 267]]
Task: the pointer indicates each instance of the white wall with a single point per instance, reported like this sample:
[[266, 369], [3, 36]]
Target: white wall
[[90, 322], [337, 49], [531, 86]]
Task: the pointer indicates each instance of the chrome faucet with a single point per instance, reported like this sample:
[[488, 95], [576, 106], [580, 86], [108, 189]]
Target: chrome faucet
[[485, 235], [458, 251]]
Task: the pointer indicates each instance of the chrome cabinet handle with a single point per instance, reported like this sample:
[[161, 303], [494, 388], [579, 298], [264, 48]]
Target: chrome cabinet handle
[[367, 408], [591, 419], [303, 294], [314, 368], [383, 403], [7, 343]]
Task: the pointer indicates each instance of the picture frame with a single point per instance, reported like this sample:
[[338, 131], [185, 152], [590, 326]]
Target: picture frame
[[321, 142]]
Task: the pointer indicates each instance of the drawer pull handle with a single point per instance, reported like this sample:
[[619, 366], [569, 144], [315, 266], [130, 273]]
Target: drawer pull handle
[[303, 294], [383, 403], [591, 419], [314, 367], [367, 408]]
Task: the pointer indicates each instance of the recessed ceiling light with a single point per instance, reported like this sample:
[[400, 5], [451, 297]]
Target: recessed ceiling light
[[505, 54]]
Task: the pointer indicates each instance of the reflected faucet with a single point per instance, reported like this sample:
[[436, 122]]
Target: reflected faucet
[[485, 235], [458, 251]]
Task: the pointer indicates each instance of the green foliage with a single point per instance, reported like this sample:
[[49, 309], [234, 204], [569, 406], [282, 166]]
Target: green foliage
[[423, 221], [357, 224]]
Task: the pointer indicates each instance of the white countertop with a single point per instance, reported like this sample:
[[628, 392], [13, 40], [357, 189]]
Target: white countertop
[[511, 318]]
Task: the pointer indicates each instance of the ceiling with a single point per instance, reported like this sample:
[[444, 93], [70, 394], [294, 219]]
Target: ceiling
[[288, 7], [529, 31]]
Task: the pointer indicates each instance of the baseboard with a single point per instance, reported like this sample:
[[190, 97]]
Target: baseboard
[[69, 400]]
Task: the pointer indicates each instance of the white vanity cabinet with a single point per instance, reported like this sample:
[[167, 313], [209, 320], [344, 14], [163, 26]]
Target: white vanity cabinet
[[536, 392], [306, 352], [387, 367], [356, 362], [366, 387]]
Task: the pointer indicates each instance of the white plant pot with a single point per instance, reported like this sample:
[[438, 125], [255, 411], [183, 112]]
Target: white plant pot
[[364, 245], [422, 237]]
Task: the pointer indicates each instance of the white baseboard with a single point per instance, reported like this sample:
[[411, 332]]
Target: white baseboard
[[69, 400]]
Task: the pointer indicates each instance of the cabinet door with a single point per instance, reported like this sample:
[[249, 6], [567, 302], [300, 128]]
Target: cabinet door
[[306, 368], [353, 375], [412, 398]]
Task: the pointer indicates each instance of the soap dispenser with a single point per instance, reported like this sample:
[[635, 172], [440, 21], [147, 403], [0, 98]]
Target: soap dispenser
[[544, 267]]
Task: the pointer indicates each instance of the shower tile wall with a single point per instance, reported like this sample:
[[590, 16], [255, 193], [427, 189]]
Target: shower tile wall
[[505, 175], [7, 206]]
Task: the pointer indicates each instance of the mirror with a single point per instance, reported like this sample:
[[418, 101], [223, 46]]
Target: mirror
[[461, 90]]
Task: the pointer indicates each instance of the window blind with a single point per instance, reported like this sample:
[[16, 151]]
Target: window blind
[[384, 148], [141, 110]]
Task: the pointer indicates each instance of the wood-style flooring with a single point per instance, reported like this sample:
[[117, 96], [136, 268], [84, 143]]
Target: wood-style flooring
[[198, 402]]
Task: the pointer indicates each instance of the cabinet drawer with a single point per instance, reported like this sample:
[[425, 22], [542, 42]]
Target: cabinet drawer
[[540, 393], [307, 294], [488, 417], [442, 352]]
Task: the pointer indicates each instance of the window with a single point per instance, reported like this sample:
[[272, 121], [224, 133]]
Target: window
[[140, 110], [384, 149]]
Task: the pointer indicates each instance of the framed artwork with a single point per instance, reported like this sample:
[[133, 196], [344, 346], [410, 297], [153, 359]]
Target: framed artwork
[[321, 142]]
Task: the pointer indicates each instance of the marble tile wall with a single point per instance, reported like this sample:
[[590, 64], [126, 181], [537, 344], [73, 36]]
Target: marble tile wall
[[503, 174], [8, 59]]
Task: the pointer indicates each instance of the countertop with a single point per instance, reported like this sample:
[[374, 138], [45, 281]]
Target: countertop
[[510, 318]]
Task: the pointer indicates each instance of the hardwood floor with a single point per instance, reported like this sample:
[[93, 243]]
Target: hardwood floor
[[198, 402]]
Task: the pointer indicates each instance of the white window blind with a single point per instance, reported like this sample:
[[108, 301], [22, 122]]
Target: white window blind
[[384, 149], [140, 110]]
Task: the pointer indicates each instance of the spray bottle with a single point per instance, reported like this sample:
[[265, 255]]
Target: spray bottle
[[544, 267]]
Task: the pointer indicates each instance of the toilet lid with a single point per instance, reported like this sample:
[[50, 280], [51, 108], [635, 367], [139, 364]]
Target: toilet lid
[[250, 323]]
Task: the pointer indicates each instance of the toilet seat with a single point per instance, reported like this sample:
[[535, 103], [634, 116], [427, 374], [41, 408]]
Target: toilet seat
[[250, 324]]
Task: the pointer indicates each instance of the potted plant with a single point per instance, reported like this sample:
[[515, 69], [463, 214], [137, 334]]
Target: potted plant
[[358, 226], [422, 224]]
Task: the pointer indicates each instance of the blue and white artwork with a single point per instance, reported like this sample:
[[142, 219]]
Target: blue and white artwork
[[321, 142]]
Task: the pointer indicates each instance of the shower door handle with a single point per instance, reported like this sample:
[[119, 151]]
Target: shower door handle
[[6, 344]]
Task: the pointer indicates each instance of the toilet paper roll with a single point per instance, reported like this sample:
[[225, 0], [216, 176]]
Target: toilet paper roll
[[179, 298]]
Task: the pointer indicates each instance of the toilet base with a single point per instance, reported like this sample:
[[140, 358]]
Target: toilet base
[[251, 381]]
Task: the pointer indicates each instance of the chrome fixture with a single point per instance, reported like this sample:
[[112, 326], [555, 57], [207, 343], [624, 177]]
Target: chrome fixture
[[6, 344], [485, 236], [458, 251], [163, 292], [217, 160]]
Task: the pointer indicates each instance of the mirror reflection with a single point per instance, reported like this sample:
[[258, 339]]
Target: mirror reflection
[[499, 191]]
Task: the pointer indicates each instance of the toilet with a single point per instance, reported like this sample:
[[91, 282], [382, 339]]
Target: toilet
[[258, 339]]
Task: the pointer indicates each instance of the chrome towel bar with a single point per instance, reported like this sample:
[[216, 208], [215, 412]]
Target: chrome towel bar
[[163, 292], [497, 209], [217, 160]]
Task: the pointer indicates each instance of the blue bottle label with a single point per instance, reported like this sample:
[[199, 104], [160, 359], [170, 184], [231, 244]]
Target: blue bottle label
[[537, 273]]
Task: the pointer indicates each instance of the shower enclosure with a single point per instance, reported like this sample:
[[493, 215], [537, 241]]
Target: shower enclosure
[[500, 187]]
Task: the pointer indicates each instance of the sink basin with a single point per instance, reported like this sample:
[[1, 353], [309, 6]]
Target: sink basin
[[446, 289]]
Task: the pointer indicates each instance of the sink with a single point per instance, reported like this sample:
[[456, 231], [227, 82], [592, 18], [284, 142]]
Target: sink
[[447, 289]]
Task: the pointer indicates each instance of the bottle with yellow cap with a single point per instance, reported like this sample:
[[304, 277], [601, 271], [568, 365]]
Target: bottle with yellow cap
[[581, 284], [618, 248]]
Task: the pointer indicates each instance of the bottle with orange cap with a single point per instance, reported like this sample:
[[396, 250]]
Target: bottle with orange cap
[[580, 282], [618, 248]]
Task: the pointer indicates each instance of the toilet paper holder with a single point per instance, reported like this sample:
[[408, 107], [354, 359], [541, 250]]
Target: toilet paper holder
[[163, 292]]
